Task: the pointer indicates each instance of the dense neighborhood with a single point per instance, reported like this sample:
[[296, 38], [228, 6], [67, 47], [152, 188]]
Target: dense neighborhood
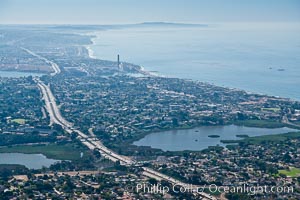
[[116, 104]]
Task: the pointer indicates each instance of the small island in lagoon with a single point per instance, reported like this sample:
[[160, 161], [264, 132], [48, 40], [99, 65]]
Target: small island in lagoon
[[214, 136]]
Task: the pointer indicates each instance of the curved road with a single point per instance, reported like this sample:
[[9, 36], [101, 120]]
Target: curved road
[[94, 144], [54, 66]]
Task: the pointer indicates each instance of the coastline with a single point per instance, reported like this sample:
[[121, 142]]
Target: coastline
[[91, 52], [172, 59], [142, 71]]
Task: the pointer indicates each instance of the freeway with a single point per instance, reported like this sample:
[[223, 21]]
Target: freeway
[[54, 66], [285, 120], [197, 189], [56, 117], [95, 144]]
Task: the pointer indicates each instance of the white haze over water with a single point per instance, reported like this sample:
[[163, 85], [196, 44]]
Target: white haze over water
[[262, 58]]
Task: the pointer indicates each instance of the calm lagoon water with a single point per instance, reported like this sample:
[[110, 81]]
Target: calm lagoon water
[[197, 138], [31, 161], [13, 74], [262, 58]]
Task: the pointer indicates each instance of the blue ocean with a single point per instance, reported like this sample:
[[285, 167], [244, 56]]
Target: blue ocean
[[260, 58]]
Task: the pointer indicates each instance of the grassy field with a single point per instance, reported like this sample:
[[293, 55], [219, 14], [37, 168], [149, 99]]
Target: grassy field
[[19, 121], [292, 172], [54, 151], [260, 123], [272, 138], [265, 138]]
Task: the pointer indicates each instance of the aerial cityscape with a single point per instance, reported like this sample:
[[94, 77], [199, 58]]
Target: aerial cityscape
[[114, 106]]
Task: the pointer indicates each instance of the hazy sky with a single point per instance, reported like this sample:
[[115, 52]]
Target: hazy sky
[[133, 11]]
